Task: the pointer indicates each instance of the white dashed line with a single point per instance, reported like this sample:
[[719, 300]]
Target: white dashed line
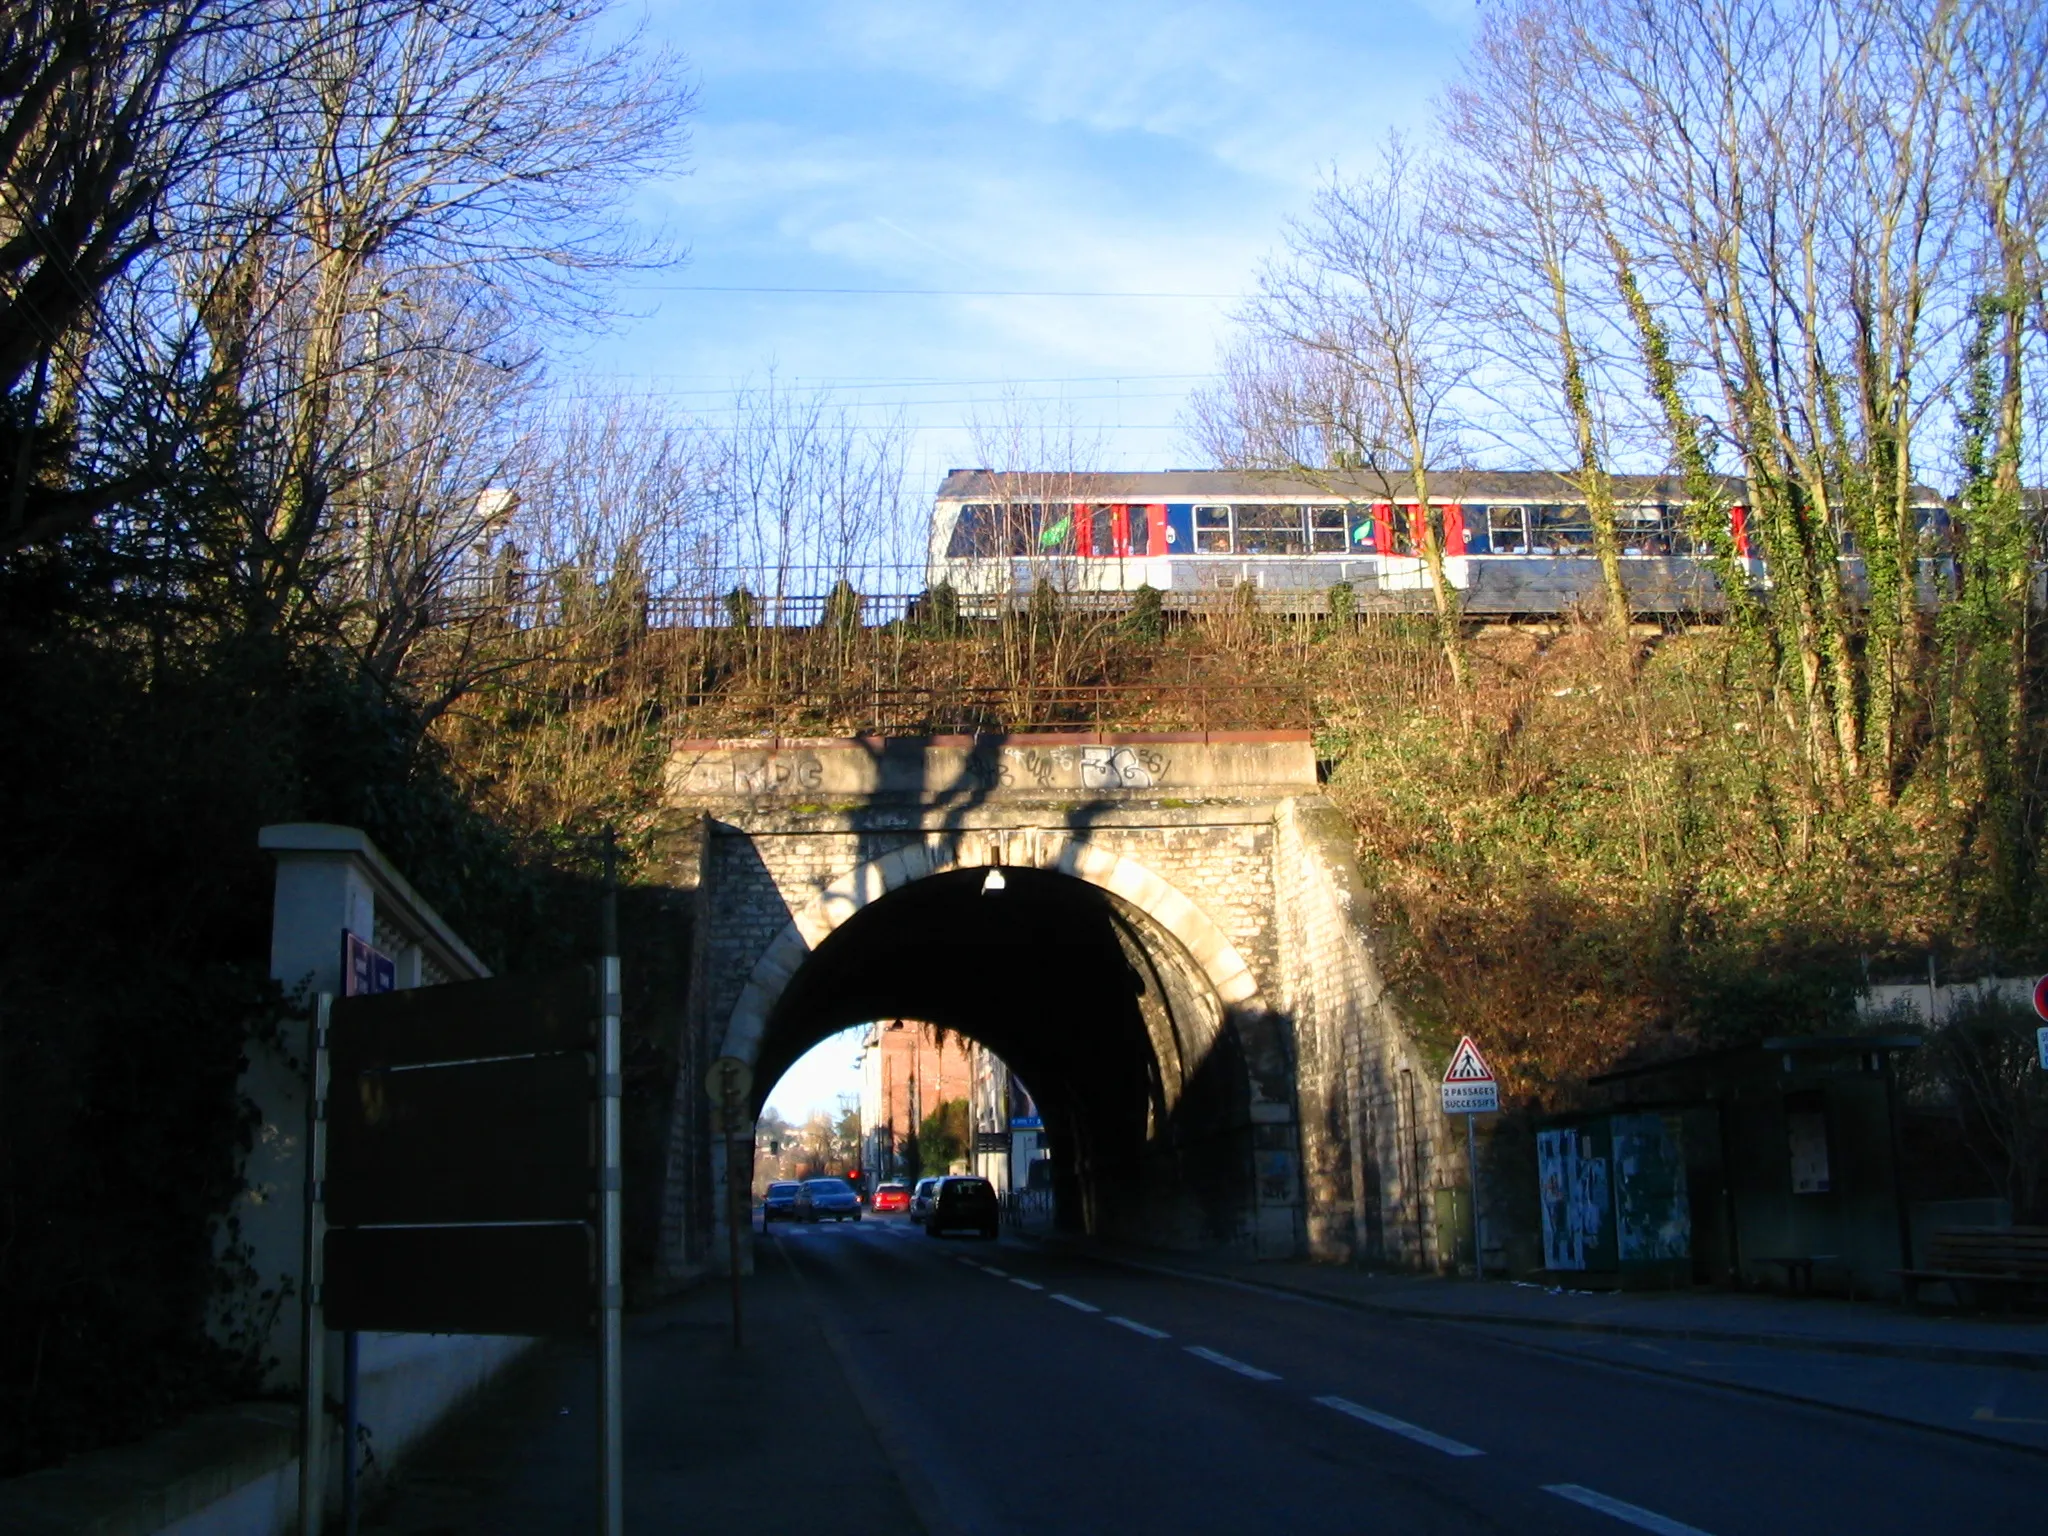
[[990, 1269], [1229, 1364], [1137, 1327], [1415, 1432], [1632, 1514], [1074, 1301], [1029, 1285]]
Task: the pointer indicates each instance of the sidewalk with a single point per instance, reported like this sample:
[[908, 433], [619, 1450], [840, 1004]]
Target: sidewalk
[[769, 1438], [1983, 1378]]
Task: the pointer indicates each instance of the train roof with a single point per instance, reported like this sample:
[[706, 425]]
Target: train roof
[[1334, 485]]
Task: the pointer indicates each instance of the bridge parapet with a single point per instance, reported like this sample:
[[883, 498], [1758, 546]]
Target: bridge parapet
[[952, 770]]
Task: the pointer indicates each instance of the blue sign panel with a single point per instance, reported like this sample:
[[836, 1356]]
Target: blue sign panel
[[1023, 1109], [364, 968]]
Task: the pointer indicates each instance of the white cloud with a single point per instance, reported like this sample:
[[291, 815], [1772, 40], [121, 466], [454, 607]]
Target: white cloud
[[1104, 146]]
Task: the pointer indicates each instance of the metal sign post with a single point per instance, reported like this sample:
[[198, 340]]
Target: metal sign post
[[727, 1081], [1469, 1089], [611, 1387], [312, 1326]]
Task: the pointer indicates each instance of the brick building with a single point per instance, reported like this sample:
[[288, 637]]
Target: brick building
[[906, 1073]]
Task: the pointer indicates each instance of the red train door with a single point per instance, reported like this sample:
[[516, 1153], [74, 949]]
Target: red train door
[[1738, 524], [1155, 530], [1454, 528]]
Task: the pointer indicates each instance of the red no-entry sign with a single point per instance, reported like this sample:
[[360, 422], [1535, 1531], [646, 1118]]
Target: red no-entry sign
[[2041, 997]]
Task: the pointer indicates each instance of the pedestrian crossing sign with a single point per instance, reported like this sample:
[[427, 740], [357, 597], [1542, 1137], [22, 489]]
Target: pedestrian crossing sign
[[1469, 1087]]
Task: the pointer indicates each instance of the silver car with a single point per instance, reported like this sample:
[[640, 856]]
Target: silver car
[[827, 1200], [921, 1199]]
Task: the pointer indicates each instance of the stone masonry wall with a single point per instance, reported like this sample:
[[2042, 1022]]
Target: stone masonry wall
[[1373, 1144]]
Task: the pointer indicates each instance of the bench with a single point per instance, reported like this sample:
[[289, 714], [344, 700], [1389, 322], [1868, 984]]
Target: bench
[[1965, 1259]]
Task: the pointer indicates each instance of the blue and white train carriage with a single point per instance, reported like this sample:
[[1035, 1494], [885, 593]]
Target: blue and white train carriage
[[1515, 542]]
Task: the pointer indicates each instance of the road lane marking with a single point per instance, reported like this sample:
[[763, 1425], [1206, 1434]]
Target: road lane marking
[[1415, 1432], [1137, 1327], [1029, 1285], [1632, 1514], [1210, 1355], [990, 1269], [1074, 1301]]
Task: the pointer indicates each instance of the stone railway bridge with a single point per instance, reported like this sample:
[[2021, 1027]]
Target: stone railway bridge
[[1179, 963]]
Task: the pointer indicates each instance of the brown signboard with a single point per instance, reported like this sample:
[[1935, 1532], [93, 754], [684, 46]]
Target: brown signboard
[[461, 1163]]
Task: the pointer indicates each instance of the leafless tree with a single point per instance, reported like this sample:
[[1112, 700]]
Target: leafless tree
[[1359, 350]]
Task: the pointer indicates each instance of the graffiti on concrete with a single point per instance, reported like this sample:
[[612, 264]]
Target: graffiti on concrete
[[768, 773], [1121, 767]]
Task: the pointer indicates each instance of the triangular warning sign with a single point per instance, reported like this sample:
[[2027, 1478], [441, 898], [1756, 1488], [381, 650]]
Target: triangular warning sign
[[1467, 1065]]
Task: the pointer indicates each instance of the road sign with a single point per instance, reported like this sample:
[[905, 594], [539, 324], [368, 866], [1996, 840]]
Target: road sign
[[1469, 1087], [728, 1075], [2041, 997], [454, 1111]]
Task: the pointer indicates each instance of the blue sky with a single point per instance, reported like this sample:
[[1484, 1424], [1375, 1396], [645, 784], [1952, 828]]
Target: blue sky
[[1056, 146]]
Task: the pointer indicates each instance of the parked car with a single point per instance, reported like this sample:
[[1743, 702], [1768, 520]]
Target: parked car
[[827, 1200], [779, 1203], [963, 1203], [891, 1197], [921, 1199]]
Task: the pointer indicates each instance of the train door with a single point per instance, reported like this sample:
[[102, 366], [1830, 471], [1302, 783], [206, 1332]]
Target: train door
[[1153, 522], [1098, 531], [1451, 519], [1178, 522]]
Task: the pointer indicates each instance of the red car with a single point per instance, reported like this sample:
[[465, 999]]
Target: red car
[[891, 1197]]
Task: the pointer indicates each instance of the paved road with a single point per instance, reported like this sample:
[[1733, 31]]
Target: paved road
[[1023, 1390]]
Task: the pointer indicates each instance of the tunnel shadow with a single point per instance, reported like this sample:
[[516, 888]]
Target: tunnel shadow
[[1135, 1064]]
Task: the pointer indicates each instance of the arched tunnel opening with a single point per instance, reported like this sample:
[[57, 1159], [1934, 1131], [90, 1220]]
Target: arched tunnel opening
[[1091, 1003]]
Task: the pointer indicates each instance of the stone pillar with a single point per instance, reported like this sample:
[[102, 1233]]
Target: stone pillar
[[330, 880]]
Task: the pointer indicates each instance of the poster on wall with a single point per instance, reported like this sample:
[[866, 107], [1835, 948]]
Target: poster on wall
[[1652, 1214], [1806, 1131], [1577, 1199], [1557, 1160]]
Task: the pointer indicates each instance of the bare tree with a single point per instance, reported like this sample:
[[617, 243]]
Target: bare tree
[[435, 179], [1518, 210], [1360, 322]]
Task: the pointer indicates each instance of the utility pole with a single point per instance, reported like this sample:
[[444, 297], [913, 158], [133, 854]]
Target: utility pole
[[611, 1395]]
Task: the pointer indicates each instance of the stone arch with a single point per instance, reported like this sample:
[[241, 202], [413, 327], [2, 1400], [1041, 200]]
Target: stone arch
[[1055, 851]]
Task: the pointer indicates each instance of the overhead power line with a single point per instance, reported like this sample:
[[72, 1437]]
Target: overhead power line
[[940, 293]]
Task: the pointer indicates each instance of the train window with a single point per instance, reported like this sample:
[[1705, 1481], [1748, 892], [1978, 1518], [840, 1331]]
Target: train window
[[1326, 530], [1055, 526], [975, 532], [1101, 533], [1212, 530], [1364, 535], [1138, 520], [1401, 529], [1504, 531], [1643, 528], [1561, 530], [1270, 531]]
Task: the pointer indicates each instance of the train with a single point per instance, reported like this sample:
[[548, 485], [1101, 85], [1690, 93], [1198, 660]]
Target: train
[[1515, 543]]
